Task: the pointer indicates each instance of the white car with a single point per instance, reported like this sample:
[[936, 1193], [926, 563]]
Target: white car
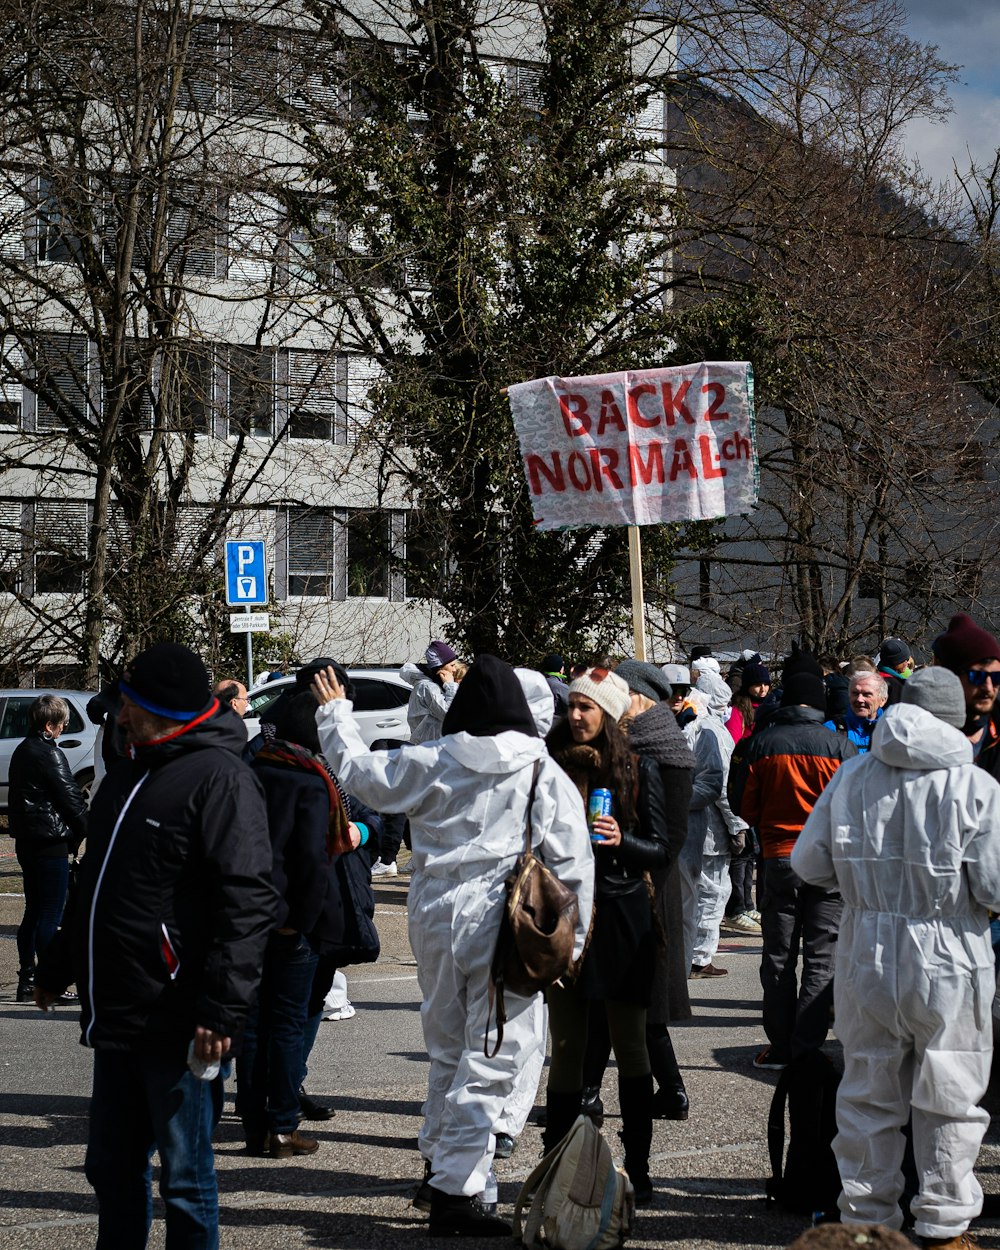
[[76, 740], [380, 699]]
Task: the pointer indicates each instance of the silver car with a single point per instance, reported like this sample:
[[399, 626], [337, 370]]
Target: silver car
[[76, 740], [380, 699]]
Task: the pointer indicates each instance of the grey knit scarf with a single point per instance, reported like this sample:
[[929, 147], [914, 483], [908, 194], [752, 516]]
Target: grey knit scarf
[[656, 734]]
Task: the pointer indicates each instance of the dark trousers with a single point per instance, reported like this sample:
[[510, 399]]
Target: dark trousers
[[46, 878], [795, 917], [395, 831], [741, 875], [141, 1103], [269, 1069]]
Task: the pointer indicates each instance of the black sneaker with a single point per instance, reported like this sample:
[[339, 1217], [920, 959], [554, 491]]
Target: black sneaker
[[422, 1198], [455, 1215], [313, 1110]]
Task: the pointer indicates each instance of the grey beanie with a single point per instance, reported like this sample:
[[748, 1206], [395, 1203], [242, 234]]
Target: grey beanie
[[644, 679], [938, 691]]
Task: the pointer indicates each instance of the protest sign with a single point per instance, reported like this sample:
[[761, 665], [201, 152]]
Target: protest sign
[[640, 447]]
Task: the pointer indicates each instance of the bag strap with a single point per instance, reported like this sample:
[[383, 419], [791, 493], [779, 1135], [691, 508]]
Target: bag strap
[[505, 938], [776, 1127]]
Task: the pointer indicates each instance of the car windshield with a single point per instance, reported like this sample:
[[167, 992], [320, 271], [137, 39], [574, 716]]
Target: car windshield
[[261, 700]]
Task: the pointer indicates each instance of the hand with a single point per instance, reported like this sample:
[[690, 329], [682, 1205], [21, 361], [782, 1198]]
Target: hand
[[447, 673], [44, 999], [355, 835], [608, 829], [209, 1045], [326, 687]]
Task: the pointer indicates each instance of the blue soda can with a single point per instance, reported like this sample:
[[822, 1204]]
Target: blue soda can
[[599, 804]]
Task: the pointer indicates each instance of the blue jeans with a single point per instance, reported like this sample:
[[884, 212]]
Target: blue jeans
[[141, 1103], [269, 1068], [46, 878]]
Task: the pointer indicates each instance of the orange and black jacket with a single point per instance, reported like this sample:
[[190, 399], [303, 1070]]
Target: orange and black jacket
[[777, 775]]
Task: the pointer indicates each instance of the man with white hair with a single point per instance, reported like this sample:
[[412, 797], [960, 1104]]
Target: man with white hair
[[907, 834], [867, 695]]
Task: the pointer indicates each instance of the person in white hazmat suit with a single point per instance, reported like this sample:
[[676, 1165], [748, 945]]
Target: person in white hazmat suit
[[511, 1121], [909, 835], [466, 797]]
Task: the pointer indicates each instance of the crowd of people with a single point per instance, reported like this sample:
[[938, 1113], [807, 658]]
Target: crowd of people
[[845, 811]]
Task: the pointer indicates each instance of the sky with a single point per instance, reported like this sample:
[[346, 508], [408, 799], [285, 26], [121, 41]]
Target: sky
[[967, 32]]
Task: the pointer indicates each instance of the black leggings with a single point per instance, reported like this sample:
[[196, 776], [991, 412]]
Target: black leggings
[[568, 1026]]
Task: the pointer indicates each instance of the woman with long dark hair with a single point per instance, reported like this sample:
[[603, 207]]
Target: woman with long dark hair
[[617, 966]]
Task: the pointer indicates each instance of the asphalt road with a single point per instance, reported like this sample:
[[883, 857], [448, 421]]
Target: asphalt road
[[709, 1171]]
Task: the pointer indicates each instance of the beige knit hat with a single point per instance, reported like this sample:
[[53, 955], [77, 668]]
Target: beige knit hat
[[604, 688]]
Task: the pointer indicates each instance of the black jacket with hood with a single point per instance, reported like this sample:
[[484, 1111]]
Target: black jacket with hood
[[175, 901], [47, 813]]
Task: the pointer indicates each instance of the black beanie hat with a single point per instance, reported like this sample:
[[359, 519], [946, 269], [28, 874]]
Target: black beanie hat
[[800, 661], [804, 688], [489, 701], [304, 676], [168, 680]]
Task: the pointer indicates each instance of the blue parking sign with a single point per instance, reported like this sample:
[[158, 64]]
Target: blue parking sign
[[246, 572]]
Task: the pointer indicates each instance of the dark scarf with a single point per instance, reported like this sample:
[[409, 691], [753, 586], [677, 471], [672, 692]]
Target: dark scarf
[[656, 733], [291, 755]]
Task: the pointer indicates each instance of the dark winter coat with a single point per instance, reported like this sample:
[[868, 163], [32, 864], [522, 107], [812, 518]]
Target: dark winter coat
[[657, 735], [175, 901], [619, 961], [47, 813]]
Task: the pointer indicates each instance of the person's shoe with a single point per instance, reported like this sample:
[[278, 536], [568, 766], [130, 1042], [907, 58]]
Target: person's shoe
[[339, 1013], [313, 1110], [456, 1215], [671, 1104], [257, 1145], [504, 1147], [66, 999], [700, 972], [741, 924], [961, 1241], [422, 1198], [754, 914], [592, 1106], [285, 1145], [25, 992], [768, 1062], [384, 870]]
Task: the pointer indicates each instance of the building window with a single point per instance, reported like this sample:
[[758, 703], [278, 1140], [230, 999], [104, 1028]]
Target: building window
[[56, 234], [312, 395], [195, 399], [59, 545], [363, 375], [251, 392], [62, 382], [368, 545], [11, 542], [312, 552], [199, 85]]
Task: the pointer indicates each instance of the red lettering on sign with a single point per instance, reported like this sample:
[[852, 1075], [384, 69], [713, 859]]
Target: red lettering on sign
[[718, 393], [632, 399], [610, 413], [653, 467], [737, 447], [578, 468], [574, 409], [681, 461], [709, 459], [538, 468], [605, 464], [674, 405]]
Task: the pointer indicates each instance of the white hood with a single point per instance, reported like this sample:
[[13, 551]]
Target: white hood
[[538, 692], [411, 674], [508, 752], [716, 690], [911, 737]]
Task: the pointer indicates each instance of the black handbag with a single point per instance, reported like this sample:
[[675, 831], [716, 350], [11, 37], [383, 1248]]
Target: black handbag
[[359, 942]]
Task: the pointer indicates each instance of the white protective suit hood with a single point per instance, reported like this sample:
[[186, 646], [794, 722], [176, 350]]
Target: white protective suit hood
[[911, 737], [507, 752], [718, 695], [538, 692], [411, 674]]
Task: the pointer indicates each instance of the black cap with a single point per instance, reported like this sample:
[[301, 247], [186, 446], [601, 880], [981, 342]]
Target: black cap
[[168, 680]]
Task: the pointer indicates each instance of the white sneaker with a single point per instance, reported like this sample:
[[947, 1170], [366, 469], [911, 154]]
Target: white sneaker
[[744, 923], [340, 1013], [384, 870]]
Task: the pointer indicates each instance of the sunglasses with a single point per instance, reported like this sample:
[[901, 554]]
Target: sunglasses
[[979, 677], [597, 675], [680, 692]]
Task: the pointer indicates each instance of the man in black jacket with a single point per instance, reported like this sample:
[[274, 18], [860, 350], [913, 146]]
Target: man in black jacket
[[165, 942]]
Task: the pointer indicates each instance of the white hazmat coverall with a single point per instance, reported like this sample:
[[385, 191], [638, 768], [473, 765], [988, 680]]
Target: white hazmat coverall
[[909, 835], [466, 798]]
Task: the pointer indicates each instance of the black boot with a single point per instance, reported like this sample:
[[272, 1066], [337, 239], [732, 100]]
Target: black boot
[[311, 1109], [455, 1215], [670, 1102], [25, 985], [635, 1094], [561, 1111], [591, 1105]]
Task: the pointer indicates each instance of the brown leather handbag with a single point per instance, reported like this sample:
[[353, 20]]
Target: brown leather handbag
[[537, 931]]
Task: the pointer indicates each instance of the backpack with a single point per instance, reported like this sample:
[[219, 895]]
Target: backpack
[[806, 1181], [576, 1198]]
